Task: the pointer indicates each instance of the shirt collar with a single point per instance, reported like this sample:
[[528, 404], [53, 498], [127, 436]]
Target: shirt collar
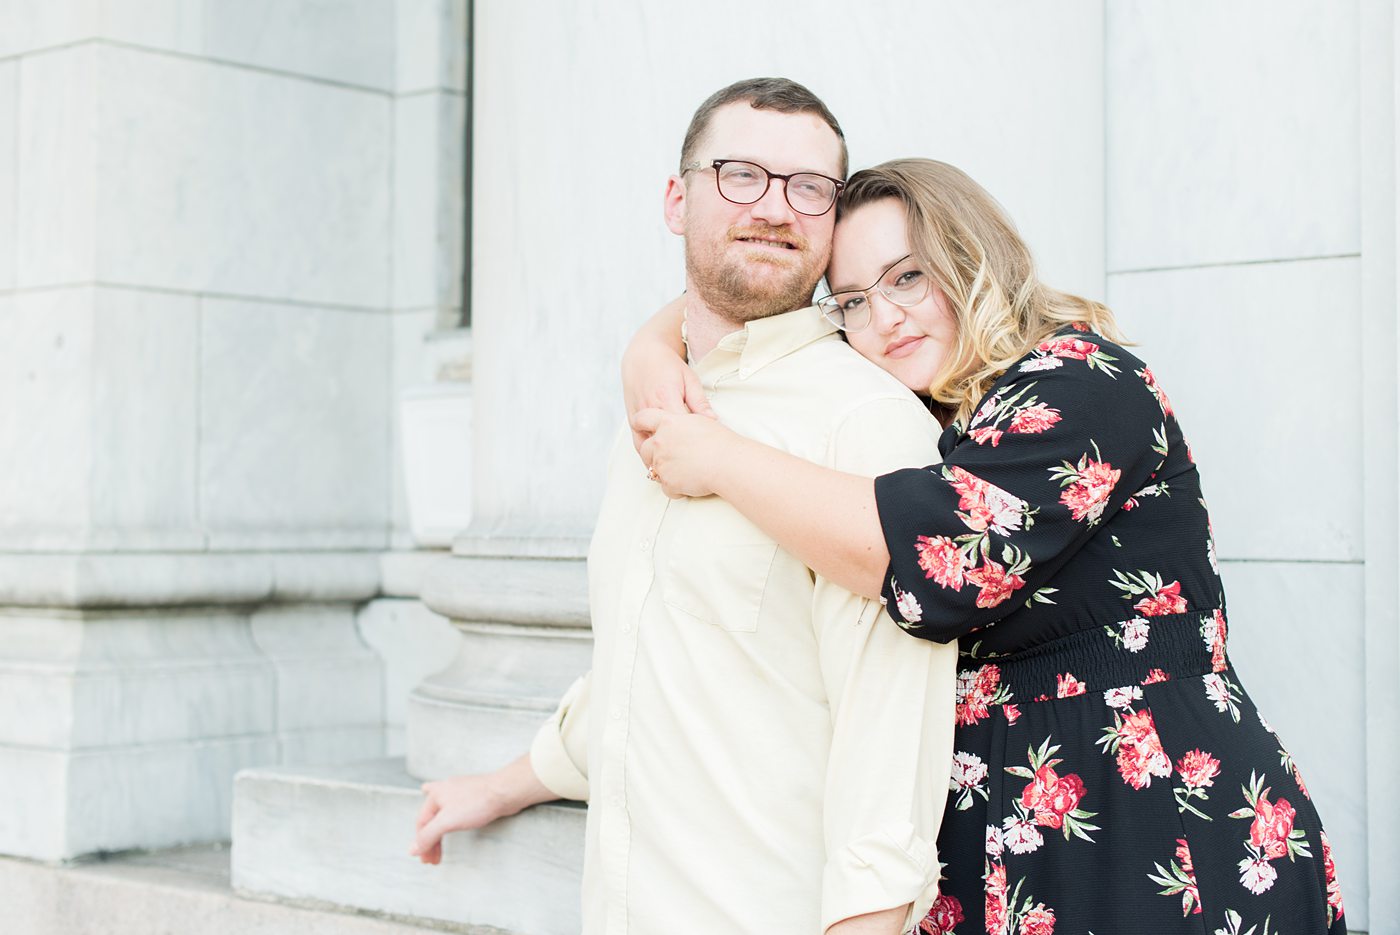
[[761, 342]]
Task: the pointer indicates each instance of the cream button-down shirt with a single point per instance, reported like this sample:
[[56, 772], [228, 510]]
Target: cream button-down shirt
[[762, 751]]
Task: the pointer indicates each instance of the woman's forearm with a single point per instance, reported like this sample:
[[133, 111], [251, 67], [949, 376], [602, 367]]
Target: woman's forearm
[[826, 518], [661, 330]]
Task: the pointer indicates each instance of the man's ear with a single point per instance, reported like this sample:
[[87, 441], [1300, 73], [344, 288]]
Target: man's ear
[[674, 204]]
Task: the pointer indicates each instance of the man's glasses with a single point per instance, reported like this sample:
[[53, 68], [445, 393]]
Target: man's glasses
[[903, 283], [744, 183]]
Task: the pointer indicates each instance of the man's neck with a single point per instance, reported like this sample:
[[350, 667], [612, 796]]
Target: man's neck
[[704, 327]]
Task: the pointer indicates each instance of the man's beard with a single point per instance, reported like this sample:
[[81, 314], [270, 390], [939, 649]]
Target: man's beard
[[731, 287]]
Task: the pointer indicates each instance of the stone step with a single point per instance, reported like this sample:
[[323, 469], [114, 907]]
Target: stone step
[[175, 892], [340, 836]]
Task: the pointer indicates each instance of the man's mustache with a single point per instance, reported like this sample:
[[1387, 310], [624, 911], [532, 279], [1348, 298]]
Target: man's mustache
[[767, 232]]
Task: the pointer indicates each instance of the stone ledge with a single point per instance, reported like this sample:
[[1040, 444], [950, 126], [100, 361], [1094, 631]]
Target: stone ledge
[[112, 580], [340, 836]]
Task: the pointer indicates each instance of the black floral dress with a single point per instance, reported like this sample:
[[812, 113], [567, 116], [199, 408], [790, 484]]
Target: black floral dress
[[1110, 774]]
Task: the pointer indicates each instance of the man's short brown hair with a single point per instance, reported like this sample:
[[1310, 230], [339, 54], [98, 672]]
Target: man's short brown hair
[[779, 94]]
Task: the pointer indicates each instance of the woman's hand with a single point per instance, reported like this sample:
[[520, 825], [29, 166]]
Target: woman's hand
[[685, 452], [654, 373]]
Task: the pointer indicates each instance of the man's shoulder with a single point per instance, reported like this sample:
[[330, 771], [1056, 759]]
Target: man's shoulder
[[832, 366], [873, 422]]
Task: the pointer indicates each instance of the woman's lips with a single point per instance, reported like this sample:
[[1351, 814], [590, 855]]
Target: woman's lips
[[903, 347]]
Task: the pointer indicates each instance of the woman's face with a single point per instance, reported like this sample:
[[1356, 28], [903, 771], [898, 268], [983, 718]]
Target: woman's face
[[911, 343]]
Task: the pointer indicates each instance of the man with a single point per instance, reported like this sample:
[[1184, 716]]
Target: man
[[762, 751]]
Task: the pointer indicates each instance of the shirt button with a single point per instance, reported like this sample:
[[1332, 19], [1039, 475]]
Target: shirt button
[[644, 545], [627, 628], [617, 714], [617, 801]]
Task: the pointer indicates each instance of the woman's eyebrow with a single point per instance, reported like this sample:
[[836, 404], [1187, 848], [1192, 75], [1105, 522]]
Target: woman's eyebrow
[[884, 268]]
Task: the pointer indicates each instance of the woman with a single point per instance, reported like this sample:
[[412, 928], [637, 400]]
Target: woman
[[1111, 775]]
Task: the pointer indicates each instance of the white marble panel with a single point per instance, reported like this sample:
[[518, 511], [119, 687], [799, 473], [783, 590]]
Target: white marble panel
[[413, 643], [326, 676], [46, 422], [28, 26], [36, 778], [331, 746], [1262, 363], [1297, 637], [241, 182], [1031, 133], [567, 270], [1232, 131], [103, 426], [38, 708], [415, 201], [349, 41], [411, 366], [294, 426], [432, 44], [144, 432], [109, 680], [9, 169], [157, 796], [55, 213], [429, 140]]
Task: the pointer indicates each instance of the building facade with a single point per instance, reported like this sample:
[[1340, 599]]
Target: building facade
[[233, 245]]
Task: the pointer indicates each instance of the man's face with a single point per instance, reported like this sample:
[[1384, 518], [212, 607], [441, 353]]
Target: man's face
[[751, 261]]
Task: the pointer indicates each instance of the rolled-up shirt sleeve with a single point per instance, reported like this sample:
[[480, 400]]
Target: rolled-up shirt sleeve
[[559, 752], [892, 702]]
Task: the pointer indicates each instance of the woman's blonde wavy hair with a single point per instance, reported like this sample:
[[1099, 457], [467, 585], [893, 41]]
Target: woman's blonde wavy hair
[[965, 240]]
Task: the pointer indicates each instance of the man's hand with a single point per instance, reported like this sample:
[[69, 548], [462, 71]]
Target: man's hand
[[465, 803]]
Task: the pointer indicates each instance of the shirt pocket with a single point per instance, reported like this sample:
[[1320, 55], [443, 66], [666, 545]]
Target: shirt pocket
[[718, 566]]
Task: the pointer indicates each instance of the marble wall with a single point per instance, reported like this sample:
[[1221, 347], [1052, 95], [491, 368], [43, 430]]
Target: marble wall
[[1233, 195], [227, 227]]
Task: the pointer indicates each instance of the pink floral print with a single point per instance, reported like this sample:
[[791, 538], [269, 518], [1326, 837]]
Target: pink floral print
[[1271, 836], [1087, 486], [1133, 738], [945, 916], [1179, 878], [1064, 543]]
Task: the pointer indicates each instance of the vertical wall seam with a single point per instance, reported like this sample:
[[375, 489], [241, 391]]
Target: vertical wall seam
[[1380, 343], [199, 516], [1104, 130]]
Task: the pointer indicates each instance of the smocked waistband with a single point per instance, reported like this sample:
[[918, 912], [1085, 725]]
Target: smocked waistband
[[1135, 652]]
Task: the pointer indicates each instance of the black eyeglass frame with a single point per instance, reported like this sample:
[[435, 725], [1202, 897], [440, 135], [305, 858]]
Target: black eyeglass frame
[[718, 164]]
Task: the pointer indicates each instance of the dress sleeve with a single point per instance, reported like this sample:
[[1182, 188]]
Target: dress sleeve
[[1063, 441]]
